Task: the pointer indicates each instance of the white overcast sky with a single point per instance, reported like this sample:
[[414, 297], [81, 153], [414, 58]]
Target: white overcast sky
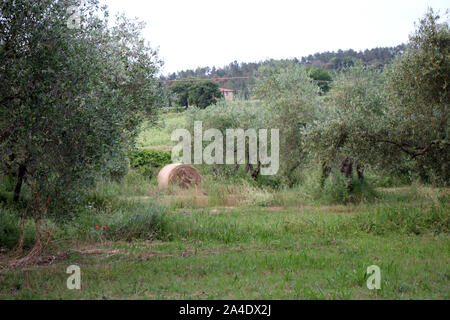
[[199, 33]]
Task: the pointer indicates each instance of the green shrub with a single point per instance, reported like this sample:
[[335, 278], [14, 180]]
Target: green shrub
[[389, 181], [7, 183], [117, 168], [363, 191], [147, 161], [334, 189], [102, 197]]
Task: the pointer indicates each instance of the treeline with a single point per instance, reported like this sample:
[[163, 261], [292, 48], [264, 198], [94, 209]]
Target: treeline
[[392, 121], [243, 73], [377, 57]]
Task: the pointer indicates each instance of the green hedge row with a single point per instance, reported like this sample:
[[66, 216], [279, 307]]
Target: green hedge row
[[148, 161]]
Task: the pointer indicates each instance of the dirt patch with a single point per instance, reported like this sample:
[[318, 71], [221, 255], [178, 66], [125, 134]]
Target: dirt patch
[[274, 209], [324, 209], [50, 259], [45, 260], [221, 209], [108, 253]]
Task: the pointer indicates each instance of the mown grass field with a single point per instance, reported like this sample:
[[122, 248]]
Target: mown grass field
[[234, 240]]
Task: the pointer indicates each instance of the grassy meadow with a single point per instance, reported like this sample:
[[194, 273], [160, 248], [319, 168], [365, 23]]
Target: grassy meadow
[[234, 239]]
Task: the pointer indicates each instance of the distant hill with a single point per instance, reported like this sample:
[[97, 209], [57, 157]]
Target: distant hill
[[243, 73]]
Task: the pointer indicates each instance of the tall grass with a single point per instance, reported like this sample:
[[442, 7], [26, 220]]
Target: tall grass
[[10, 228], [137, 209], [132, 221], [405, 220], [250, 224], [334, 189]]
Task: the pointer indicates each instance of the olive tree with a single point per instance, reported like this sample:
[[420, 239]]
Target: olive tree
[[71, 97], [237, 114], [355, 109], [417, 86], [294, 102], [396, 120]]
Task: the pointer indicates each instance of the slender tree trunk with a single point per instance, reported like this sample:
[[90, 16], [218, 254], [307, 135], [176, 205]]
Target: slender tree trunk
[[347, 171], [325, 173], [18, 188], [248, 165], [255, 173], [360, 173]]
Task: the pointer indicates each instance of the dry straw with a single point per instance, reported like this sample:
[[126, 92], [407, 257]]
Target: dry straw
[[182, 175]]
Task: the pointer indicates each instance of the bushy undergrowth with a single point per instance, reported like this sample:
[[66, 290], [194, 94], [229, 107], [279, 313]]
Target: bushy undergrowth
[[141, 222], [10, 230], [125, 220], [131, 221], [389, 181], [150, 161], [6, 188], [108, 195], [136, 209], [334, 189]]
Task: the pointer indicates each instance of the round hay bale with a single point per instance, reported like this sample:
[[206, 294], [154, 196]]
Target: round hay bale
[[183, 175]]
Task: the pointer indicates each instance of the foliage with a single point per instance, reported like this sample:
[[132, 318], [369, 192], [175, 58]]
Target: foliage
[[376, 57], [10, 229], [322, 78], [395, 121], [230, 115], [333, 190], [355, 107], [417, 87], [117, 167], [338, 63], [204, 93], [293, 103], [155, 158], [240, 76], [149, 160], [237, 114], [195, 93], [181, 91], [72, 99]]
